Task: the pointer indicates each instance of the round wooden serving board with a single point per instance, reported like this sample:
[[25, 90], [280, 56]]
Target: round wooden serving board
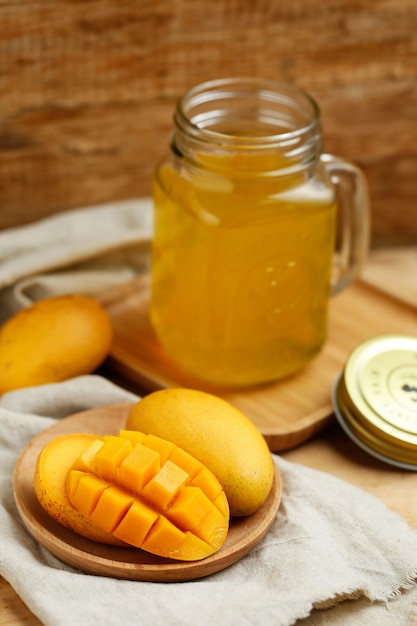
[[125, 563]]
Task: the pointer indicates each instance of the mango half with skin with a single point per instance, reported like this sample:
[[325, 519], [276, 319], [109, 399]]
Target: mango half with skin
[[53, 464], [146, 492]]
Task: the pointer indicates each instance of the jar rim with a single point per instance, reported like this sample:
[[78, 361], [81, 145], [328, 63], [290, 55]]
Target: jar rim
[[290, 109]]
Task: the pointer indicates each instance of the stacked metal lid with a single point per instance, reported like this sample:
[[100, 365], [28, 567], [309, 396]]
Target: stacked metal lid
[[375, 398]]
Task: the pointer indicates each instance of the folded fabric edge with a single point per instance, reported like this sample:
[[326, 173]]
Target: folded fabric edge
[[17, 269]]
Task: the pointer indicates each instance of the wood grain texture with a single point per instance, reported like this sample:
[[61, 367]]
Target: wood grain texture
[[87, 91]]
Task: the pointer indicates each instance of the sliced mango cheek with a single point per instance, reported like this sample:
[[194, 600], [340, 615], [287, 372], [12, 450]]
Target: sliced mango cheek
[[150, 494]]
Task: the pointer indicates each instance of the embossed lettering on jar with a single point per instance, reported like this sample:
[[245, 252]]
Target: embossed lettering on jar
[[244, 234]]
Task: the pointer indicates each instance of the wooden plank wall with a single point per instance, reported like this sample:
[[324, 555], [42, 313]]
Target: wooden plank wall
[[87, 91]]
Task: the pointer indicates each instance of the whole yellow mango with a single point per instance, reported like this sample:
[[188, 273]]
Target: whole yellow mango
[[217, 434], [54, 339]]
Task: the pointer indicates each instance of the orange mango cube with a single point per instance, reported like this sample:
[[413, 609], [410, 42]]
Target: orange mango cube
[[190, 508], [162, 446], [136, 524], [134, 436], [192, 545], [84, 491], [110, 455], [208, 483], [138, 468], [111, 507], [164, 538], [186, 461], [86, 462], [165, 485]]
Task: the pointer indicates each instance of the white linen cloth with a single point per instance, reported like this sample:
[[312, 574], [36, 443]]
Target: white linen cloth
[[334, 555], [85, 250]]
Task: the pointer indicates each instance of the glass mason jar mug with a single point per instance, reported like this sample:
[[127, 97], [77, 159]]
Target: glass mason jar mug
[[246, 228]]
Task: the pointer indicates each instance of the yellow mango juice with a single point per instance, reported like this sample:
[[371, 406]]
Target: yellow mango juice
[[241, 271]]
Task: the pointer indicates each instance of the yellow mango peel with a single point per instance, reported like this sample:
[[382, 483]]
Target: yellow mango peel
[[141, 490], [52, 466]]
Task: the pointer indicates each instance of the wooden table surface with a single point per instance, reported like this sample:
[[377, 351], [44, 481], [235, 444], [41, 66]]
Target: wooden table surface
[[331, 451]]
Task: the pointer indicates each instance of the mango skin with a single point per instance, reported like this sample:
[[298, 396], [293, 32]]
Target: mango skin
[[53, 463], [218, 435], [52, 340]]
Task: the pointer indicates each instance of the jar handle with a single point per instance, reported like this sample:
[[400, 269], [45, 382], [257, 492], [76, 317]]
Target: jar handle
[[353, 232]]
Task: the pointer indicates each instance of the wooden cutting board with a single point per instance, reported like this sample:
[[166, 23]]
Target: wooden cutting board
[[287, 412]]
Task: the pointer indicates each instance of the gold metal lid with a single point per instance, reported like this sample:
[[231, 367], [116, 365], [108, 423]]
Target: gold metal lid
[[375, 398]]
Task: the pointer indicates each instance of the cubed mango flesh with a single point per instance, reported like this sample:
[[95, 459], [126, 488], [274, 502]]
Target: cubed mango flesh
[[150, 494]]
